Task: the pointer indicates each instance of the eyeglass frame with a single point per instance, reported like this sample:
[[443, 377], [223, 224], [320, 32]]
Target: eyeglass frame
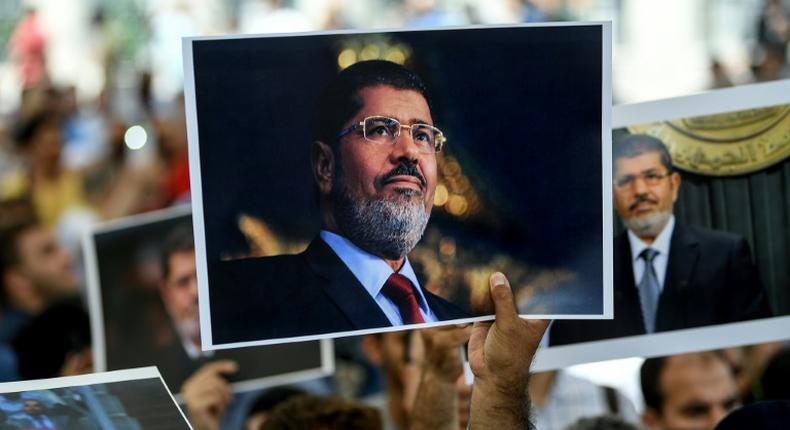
[[630, 180], [438, 145]]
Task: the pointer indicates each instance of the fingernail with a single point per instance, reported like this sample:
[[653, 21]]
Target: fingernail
[[498, 279]]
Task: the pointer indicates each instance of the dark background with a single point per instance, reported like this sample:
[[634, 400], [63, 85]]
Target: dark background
[[521, 108]]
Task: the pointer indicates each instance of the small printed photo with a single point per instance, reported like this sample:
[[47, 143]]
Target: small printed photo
[[701, 228], [144, 307], [135, 399], [348, 183]]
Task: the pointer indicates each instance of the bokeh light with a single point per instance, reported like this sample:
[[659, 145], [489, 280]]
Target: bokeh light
[[135, 137]]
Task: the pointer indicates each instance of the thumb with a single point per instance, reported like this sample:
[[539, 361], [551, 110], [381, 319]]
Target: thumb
[[504, 302]]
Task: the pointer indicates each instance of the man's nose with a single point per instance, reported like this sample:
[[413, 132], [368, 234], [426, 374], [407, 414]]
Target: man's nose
[[405, 147], [639, 185]]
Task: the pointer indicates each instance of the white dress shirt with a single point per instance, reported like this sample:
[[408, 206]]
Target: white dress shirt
[[661, 244], [372, 272]]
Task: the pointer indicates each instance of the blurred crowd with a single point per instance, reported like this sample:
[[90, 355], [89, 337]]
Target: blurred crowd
[[73, 155]]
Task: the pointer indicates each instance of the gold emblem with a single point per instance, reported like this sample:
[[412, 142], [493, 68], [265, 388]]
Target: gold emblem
[[731, 143]]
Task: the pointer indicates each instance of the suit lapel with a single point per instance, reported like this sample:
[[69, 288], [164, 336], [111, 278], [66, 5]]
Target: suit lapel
[[343, 287], [683, 257]]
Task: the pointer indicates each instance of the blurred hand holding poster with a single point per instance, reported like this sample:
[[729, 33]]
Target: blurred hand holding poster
[[331, 171]]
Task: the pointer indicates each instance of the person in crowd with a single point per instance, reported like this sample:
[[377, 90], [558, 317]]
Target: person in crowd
[[265, 403], [35, 273], [559, 399], [55, 343], [28, 49], [775, 377], [688, 391], [54, 189], [603, 422], [322, 412], [667, 275]]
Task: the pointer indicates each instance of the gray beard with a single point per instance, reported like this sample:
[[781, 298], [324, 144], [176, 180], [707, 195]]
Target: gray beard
[[388, 228], [648, 226]]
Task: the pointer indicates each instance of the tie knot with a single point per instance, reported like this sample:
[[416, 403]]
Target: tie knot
[[400, 290], [397, 287], [648, 254]]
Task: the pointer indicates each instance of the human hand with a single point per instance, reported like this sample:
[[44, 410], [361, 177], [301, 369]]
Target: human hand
[[207, 394], [436, 405], [443, 352], [500, 352]]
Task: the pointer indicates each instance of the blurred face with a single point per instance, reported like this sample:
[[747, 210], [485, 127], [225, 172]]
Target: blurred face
[[179, 294], [46, 265], [46, 145], [33, 407], [382, 194], [697, 394], [644, 208]]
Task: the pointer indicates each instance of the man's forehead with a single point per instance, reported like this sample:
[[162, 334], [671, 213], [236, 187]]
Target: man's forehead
[[684, 372], [638, 163], [390, 101]]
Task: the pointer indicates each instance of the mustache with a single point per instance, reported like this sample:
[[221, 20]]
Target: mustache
[[404, 169], [641, 198]]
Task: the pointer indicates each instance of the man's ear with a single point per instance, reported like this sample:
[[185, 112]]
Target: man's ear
[[322, 161], [675, 181]]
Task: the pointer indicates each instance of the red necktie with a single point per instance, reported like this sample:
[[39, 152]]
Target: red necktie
[[398, 288]]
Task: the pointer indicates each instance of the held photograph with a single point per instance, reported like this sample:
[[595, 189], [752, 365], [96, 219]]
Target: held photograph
[[144, 309], [348, 183], [701, 244], [135, 399]]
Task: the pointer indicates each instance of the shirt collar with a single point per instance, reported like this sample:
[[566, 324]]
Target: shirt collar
[[371, 271], [661, 244]]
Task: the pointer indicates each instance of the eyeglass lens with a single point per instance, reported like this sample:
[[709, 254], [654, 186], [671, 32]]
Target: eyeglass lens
[[385, 130]]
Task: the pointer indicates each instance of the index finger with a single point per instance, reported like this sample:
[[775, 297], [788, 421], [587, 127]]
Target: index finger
[[223, 367]]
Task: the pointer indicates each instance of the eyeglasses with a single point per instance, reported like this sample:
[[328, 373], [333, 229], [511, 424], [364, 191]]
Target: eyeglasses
[[384, 130], [650, 178]]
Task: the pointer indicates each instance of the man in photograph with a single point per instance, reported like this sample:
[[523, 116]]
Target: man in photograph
[[667, 275], [373, 160], [178, 289]]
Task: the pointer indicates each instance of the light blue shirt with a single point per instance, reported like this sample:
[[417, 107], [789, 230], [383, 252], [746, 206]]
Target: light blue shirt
[[372, 272], [661, 244]]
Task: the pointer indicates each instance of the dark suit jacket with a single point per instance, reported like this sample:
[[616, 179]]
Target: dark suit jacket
[[296, 295], [710, 279]]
